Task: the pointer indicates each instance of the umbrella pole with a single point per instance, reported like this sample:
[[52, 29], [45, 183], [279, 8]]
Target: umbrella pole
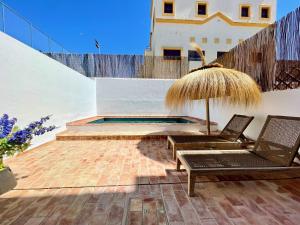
[[207, 116]]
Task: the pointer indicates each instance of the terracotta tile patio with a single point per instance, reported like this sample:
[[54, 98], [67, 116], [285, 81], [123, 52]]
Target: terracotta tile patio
[[134, 182]]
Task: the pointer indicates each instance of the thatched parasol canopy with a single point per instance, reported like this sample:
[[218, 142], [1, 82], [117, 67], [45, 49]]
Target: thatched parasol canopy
[[213, 81]]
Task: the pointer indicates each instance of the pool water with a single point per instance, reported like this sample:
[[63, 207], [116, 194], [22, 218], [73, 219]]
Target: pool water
[[141, 120]]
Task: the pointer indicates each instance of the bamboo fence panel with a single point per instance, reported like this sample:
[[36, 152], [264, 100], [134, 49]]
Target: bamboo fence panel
[[124, 66], [161, 68], [272, 56]]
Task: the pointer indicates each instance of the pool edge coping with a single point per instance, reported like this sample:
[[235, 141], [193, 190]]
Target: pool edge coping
[[87, 121]]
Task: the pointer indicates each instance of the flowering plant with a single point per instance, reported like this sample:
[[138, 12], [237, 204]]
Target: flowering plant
[[14, 140]]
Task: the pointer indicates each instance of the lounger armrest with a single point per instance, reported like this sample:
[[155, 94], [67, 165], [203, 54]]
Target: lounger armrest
[[218, 145]]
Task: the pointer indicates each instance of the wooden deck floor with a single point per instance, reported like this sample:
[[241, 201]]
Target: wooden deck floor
[[134, 182]]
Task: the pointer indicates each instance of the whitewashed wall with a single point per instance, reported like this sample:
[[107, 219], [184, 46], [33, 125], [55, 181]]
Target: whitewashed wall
[[33, 85], [146, 97], [286, 103], [132, 96]]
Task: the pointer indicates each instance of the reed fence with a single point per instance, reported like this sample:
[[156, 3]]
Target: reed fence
[[272, 56], [124, 66], [161, 68]]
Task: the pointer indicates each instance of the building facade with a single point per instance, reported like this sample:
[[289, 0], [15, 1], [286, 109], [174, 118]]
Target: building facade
[[216, 25]]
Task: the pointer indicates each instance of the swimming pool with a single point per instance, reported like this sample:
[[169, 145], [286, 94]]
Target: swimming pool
[[135, 126], [141, 120]]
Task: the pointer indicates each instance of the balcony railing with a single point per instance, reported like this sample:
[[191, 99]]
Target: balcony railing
[[15, 25]]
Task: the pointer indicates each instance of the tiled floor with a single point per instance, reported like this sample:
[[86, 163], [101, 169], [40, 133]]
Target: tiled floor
[[134, 182]]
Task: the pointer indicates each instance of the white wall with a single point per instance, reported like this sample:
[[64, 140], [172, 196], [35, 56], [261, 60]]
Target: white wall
[[146, 97], [33, 85], [132, 96], [286, 103]]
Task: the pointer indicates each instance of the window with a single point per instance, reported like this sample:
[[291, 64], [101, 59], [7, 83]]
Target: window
[[217, 40], [245, 11], [169, 8], [265, 12], [219, 54], [172, 54], [204, 40], [201, 8], [194, 55], [229, 41]]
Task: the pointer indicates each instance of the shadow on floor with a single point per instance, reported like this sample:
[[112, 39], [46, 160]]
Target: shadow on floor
[[247, 202]]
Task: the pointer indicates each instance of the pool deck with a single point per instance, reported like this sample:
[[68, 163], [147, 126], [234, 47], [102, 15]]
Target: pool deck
[[84, 130], [115, 182]]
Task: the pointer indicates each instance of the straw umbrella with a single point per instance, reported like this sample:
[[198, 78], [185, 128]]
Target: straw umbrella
[[213, 81]]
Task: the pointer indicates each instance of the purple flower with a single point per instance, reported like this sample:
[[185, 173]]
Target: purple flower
[[34, 125], [20, 137], [6, 125], [43, 130], [44, 119], [38, 124], [40, 131], [51, 128]]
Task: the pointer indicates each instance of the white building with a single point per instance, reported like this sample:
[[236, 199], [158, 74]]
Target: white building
[[216, 25]]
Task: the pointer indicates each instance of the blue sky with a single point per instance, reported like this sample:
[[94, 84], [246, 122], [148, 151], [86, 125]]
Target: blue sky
[[122, 27]]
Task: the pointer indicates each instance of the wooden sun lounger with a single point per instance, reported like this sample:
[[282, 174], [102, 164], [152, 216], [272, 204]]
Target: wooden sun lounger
[[231, 137], [275, 151]]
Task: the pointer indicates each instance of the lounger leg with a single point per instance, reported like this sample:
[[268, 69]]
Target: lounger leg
[[174, 152], [178, 164], [191, 184]]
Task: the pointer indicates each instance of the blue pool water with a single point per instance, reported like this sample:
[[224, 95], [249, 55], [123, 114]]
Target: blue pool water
[[141, 120]]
